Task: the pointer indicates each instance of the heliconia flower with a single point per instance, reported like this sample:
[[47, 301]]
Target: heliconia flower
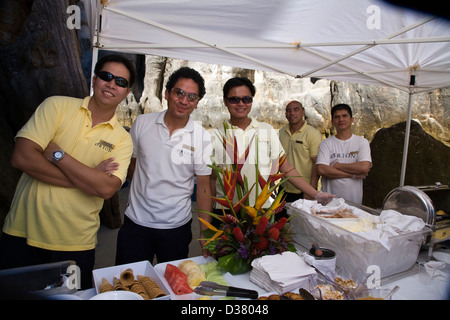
[[252, 212], [228, 218], [210, 226], [229, 182], [280, 207], [277, 164], [238, 235], [274, 174], [231, 147], [276, 205], [262, 197]]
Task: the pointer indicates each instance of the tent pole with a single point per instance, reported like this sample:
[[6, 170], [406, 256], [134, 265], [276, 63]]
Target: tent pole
[[94, 62], [406, 142], [96, 42]]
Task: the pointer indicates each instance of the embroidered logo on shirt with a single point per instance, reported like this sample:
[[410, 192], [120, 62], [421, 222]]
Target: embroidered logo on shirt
[[185, 146], [105, 145]]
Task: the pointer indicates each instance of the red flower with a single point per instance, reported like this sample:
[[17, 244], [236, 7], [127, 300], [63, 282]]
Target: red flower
[[262, 225], [238, 235], [273, 233], [280, 224], [261, 245]]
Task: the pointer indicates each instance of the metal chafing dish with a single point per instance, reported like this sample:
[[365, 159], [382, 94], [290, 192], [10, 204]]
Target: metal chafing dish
[[431, 203]]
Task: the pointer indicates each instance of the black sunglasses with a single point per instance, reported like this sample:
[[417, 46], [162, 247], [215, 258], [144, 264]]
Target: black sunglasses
[[236, 100], [106, 76], [180, 94]]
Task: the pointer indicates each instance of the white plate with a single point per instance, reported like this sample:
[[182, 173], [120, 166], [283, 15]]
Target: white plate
[[241, 280], [160, 269], [442, 256], [117, 295]]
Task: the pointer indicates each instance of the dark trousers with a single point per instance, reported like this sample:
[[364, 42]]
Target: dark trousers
[[138, 243], [15, 252]]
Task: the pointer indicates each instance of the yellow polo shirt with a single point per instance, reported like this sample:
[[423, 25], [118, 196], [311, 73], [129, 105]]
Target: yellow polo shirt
[[300, 147], [65, 219]]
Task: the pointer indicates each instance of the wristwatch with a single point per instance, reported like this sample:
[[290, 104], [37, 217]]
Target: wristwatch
[[57, 156]]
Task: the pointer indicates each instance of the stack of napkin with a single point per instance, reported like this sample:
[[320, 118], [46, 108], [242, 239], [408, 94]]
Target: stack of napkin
[[281, 272]]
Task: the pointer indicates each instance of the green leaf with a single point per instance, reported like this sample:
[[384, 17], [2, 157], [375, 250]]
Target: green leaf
[[232, 265]]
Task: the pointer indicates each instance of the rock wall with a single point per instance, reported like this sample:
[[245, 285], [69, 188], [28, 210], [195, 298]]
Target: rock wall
[[379, 112], [427, 162], [39, 57], [373, 107]]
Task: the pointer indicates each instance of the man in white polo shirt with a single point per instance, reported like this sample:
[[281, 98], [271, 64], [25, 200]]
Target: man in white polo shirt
[[170, 149]]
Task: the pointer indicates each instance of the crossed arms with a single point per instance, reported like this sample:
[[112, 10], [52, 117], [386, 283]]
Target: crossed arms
[[338, 170], [30, 158]]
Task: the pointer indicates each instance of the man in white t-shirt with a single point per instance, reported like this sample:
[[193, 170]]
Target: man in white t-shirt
[[344, 159], [170, 150]]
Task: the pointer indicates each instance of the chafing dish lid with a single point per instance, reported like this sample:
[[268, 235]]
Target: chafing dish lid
[[411, 201]]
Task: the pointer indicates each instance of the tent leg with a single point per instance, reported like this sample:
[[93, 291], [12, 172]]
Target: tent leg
[[94, 62], [406, 142]]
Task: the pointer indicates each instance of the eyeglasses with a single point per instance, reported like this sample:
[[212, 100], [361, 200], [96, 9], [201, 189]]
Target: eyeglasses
[[106, 76], [236, 100], [180, 94]]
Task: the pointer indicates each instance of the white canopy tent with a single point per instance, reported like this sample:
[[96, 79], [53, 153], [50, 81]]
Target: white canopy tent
[[359, 41]]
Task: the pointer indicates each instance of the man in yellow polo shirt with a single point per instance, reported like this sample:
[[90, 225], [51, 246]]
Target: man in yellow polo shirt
[[301, 143], [74, 154]]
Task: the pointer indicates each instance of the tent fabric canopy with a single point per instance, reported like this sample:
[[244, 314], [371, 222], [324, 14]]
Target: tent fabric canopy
[[358, 41]]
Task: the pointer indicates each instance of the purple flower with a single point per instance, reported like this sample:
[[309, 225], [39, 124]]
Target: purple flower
[[272, 250], [242, 251]]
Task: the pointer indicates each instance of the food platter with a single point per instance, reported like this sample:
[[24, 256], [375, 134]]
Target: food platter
[[241, 280]]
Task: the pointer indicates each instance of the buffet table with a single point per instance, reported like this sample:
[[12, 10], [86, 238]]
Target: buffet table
[[415, 283], [395, 246]]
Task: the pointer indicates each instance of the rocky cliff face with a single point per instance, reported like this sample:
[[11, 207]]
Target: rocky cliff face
[[427, 162], [373, 107], [379, 113], [39, 57]]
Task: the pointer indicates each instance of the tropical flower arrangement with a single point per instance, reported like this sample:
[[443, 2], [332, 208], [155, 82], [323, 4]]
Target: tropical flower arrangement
[[246, 232]]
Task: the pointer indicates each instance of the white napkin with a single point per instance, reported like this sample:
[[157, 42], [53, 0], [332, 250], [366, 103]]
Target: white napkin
[[283, 268], [396, 223], [388, 223], [433, 268], [280, 272]]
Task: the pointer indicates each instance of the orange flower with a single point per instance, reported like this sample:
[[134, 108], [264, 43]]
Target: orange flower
[[210, 226]]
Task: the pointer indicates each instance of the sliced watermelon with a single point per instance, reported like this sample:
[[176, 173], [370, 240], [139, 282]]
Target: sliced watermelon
[[177, 280]]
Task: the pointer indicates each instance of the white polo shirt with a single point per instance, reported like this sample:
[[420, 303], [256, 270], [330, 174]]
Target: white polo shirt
[[264, 138], [163, 180]]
